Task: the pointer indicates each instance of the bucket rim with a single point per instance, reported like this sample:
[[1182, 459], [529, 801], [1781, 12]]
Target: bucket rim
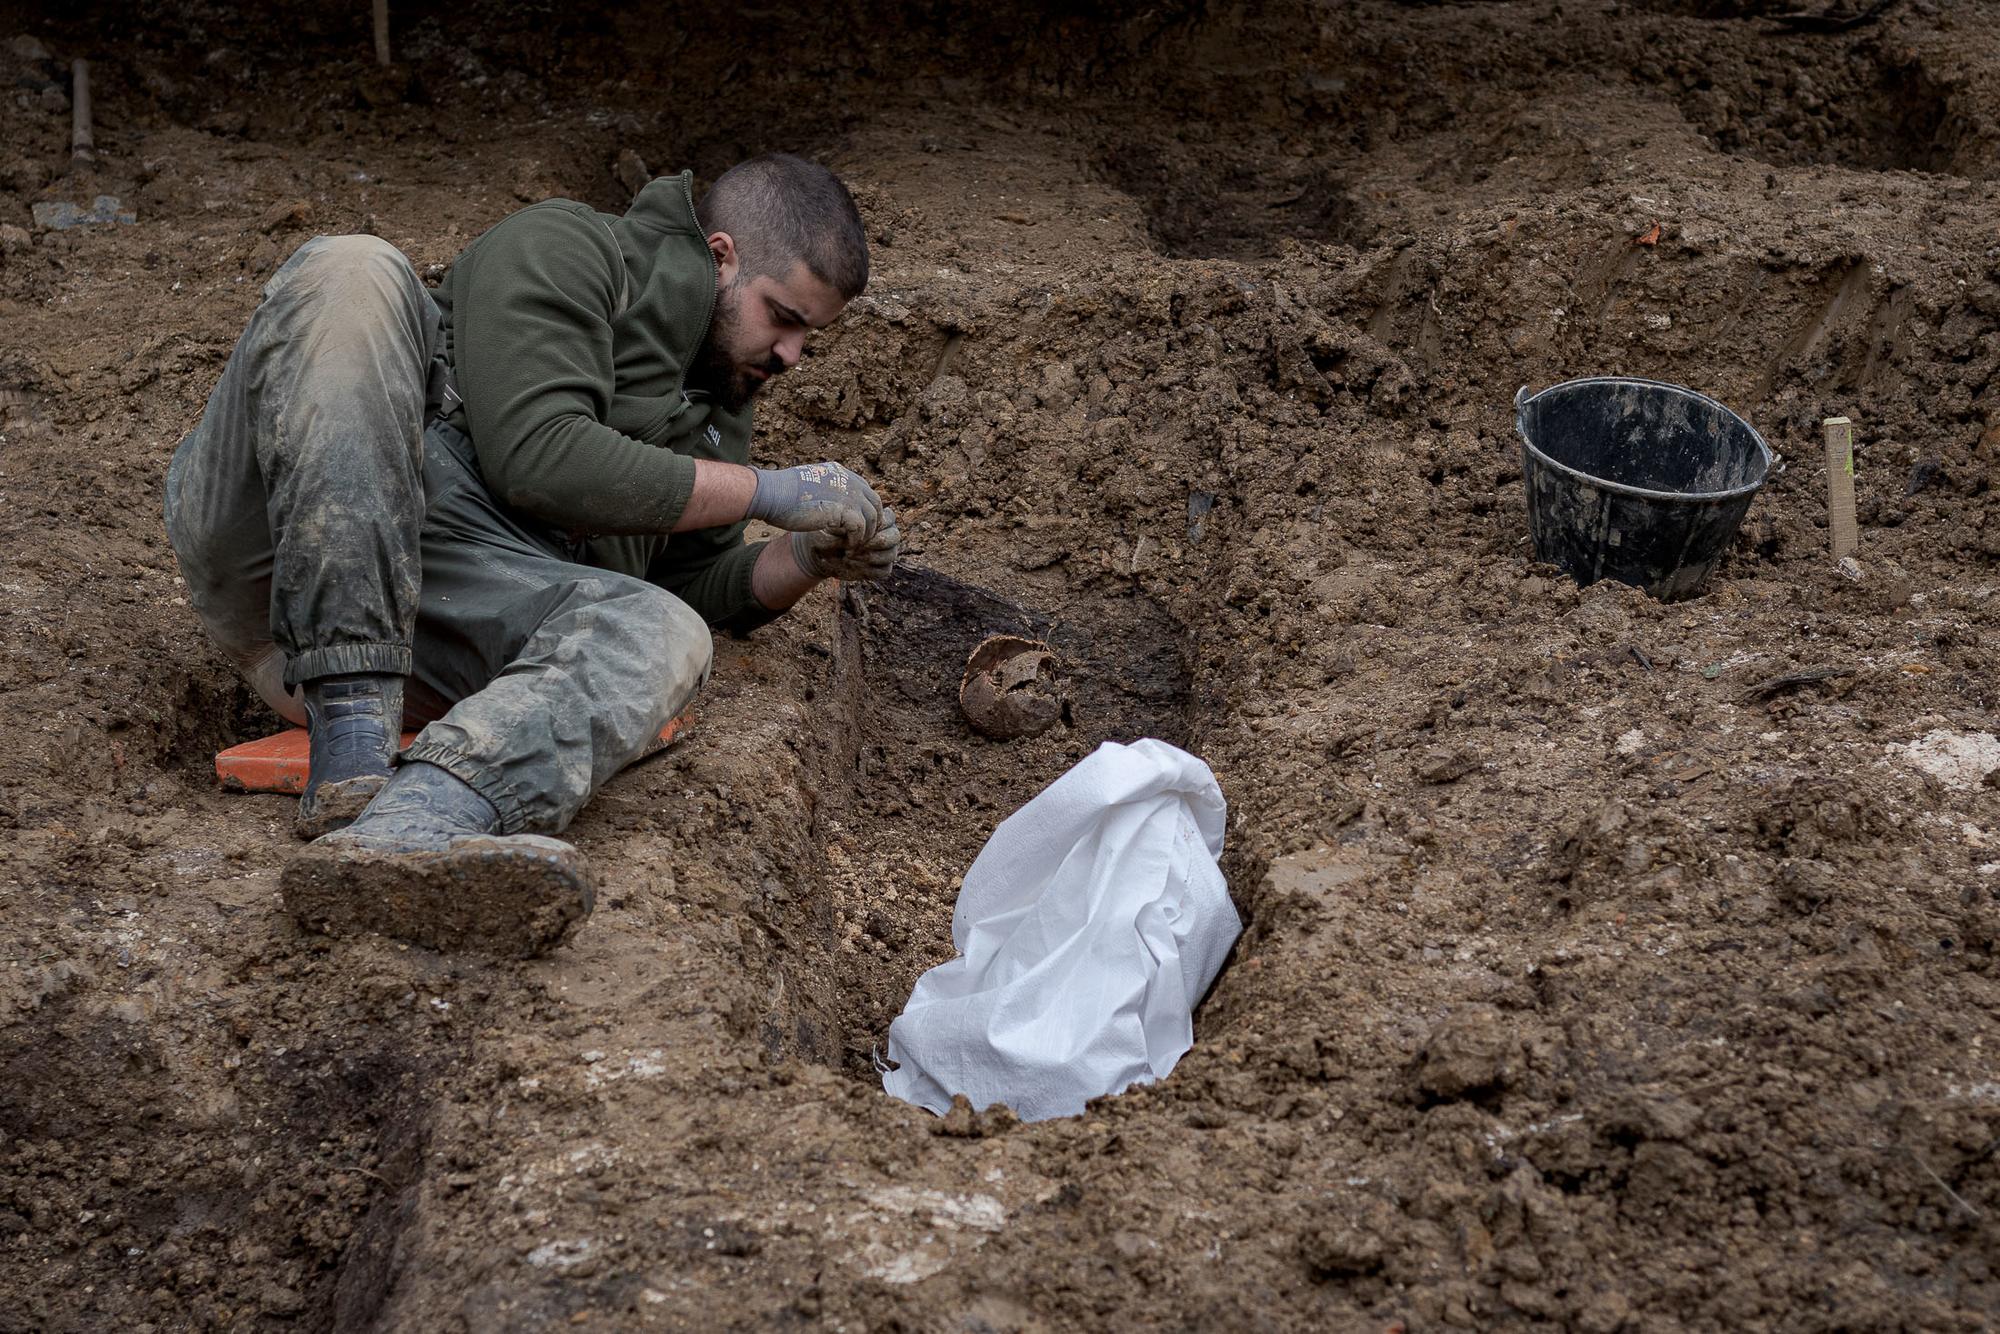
[[1522, 399]]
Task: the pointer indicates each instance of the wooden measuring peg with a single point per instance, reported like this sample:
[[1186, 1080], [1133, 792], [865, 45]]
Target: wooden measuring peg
[[1841, 527], [82, 142]]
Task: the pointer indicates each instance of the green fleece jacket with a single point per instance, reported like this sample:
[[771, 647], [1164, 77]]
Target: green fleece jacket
[[570, 334]]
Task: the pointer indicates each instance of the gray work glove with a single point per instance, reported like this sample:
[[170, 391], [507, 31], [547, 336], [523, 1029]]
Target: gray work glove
[[818, 498], [828, 555]]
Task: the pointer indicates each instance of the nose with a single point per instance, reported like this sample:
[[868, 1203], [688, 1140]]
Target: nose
[[790, 348]]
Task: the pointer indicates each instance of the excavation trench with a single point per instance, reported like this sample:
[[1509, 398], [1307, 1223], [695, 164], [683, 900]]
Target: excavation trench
[[908, 792], [273, 1180], [1864, 108]]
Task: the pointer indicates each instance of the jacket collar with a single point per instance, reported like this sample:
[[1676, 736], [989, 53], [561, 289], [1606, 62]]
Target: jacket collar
[[673, 275]]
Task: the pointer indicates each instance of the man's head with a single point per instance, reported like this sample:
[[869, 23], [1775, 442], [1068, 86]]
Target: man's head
[[790, 253]]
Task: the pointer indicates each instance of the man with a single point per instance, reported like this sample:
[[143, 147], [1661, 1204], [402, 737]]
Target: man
[[523, 499]]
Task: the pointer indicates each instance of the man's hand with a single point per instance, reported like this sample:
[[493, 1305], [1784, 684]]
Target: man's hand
[[828, 555], [819, 498]]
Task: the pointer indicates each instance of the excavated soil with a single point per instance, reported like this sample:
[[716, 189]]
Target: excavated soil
[[1610, 965]]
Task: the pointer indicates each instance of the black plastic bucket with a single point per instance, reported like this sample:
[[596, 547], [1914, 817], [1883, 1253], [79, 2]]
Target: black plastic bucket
[[1636, 480]]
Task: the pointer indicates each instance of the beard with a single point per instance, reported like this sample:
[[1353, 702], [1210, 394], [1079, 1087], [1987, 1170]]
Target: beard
[[716, 372]]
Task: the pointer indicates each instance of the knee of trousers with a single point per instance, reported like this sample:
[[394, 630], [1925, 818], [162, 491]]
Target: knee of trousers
[[685, 649], [364, 269]]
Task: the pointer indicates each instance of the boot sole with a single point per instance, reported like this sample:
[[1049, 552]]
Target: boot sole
[[515, 897]]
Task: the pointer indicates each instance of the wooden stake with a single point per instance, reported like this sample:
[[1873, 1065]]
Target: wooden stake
[[82, 148], [1841, 527], [382, 32]]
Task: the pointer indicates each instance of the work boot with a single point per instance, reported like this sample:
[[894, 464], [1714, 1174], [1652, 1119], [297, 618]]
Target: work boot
[[425, 864], [356, 723]]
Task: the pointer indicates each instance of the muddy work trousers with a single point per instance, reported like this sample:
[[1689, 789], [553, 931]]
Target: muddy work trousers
[[327, 523]]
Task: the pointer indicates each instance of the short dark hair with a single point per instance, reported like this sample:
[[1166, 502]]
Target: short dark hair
[[782, 210]]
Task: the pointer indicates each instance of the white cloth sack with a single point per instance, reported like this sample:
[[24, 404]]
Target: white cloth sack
[[1089, 926]]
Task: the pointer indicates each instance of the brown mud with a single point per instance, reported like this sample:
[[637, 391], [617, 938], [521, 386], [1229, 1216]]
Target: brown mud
[[1609, 964], [516, 897]]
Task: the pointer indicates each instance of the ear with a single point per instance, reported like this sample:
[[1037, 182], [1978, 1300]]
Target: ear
[[723, 246]]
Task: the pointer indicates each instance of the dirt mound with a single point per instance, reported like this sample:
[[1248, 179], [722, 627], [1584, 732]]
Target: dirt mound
[[1608, 964]]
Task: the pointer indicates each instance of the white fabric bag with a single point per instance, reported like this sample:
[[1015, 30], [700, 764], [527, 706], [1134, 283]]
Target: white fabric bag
[[1089, 926]]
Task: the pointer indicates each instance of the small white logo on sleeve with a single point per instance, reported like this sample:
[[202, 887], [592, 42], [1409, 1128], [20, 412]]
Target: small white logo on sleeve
[[714, 438]]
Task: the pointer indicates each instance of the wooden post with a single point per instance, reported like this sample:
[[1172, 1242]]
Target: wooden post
[[382, 32], [82, 147], [1842, 530]]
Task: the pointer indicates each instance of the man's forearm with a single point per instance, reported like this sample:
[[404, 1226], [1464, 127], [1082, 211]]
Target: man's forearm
[[777, 581], [721, 495]]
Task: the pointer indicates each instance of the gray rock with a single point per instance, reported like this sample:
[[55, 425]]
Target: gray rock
[[59, 214]]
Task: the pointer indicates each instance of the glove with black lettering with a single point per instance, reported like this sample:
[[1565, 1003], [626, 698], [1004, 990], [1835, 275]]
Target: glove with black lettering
[[818, 498], [827, 555]]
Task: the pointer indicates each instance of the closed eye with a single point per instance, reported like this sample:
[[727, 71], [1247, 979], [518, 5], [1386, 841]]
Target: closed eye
[[785, 315]]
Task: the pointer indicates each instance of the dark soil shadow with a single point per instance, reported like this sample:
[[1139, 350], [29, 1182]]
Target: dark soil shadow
[[1245, 210]]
